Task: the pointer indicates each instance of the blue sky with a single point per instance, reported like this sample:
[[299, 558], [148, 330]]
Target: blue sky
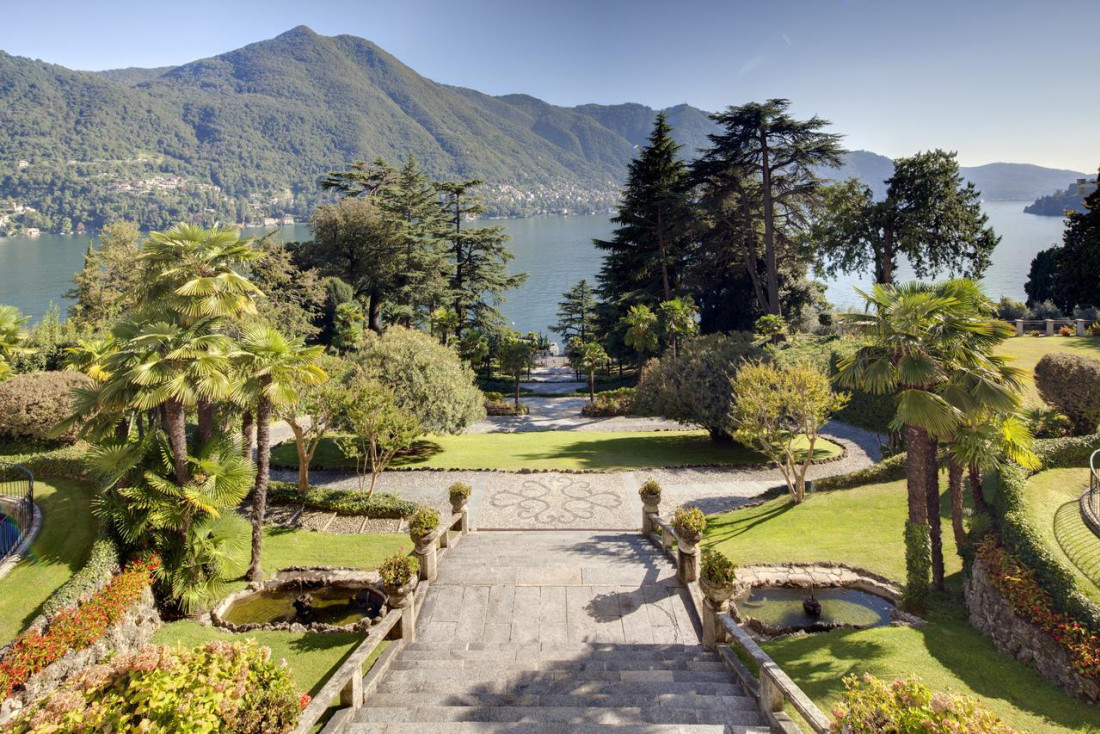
[[994, 79]]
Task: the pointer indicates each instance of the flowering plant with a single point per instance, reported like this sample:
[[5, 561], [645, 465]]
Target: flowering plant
[[1019, 587], [77, 627], [220, 686], [870, 706]]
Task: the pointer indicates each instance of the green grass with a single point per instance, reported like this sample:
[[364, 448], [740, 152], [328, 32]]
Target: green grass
[[1028, 350], [311, 656], [1052, 509], [863, 527], [59, 551], [561, 450]]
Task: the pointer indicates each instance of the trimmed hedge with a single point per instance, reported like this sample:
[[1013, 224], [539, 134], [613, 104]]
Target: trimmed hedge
[[887, 470], [611, 403], [66, 462], [1021, 539], [1071, 383], [342, 501], [103, 563]]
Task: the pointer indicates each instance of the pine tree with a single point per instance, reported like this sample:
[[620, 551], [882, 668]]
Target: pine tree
[[759, 171], [577, 313], [644, 258], [1076, 279], [479, 274]]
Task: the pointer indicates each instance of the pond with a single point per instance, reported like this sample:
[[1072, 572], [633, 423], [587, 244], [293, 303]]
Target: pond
[[326, 605], [779, 609]]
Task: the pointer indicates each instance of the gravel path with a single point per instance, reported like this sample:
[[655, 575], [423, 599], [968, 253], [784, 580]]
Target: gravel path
[[609, 500], [564, 414]]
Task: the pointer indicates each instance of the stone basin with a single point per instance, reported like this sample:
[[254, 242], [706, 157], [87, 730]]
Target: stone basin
[[778, 610]]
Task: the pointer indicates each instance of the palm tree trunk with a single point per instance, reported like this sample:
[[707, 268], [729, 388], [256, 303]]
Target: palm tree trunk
[[592, 386], [517, 393], [977, 497], [206, 421], [935, 522], [248, 426], [175, 425], [916, 482], [259, 492], [955, 483]]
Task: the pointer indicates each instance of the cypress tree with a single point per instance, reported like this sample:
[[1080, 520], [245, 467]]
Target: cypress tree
[[577, 313]]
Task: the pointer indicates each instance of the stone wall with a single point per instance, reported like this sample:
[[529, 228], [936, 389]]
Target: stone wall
[[991, 615], [128, 636]]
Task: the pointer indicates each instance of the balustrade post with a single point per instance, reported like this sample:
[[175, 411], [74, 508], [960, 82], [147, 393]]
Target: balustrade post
[[648, 509], [464, 524], [1019, 327], [1080, 327], [771, 697], [1050, 327], [351, 695], [687, 562], [713, 631], [429, 560]]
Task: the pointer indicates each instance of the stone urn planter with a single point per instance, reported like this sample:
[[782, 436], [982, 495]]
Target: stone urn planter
[[401, 596], [650, 493], [716, 594], [459, 495]]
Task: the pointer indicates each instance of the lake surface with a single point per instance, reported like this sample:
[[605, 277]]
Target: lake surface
[[556, 252]]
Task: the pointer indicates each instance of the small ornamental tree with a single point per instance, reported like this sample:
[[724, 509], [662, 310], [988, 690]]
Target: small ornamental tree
[[779, 411], [587, 357], [516, 358], [377, 428], [771, 326], [312, 417]]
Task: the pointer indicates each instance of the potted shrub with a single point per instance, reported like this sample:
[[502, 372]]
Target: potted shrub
[[399, 575], [689, 525], [717, 576], [422, 523], [650, 492], [459, 494]]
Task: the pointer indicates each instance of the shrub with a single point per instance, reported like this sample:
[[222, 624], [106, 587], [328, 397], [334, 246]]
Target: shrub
[[1086, 313], [872, 706], [342, 501], [75, 628], [1019, 586], [427, 378], [66, 462], [32, 404], [717, 568], [492, 396], [220, 686], [506, 408], [1071, 383], [459, 491], [398, 570], [1066, 331], [695, 388], [611, 403], [1044, 310], [1094, 329], [650, 492], [1048, 423], [1010, 310], [689, 522]]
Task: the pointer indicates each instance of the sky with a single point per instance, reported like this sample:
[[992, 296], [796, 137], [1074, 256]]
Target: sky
[[996, 80]]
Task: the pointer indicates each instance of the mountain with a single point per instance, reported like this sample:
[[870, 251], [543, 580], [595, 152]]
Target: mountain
[[247, 134]]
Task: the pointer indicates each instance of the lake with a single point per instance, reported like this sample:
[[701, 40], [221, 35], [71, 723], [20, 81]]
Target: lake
[[555, 251]]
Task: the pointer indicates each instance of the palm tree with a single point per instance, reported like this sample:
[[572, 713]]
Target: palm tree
[[641, 331], [516, 356], [587, 357], [678, 319], [12, 335], [921, 339], [274, 366], [444, 322]]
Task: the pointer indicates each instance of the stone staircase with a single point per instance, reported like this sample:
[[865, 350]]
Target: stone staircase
[[551, 632]]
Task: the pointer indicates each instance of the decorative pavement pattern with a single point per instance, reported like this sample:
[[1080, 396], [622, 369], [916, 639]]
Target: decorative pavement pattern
[[552, 501]]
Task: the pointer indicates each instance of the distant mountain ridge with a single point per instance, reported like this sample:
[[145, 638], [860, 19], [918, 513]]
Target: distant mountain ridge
[[247, 134]]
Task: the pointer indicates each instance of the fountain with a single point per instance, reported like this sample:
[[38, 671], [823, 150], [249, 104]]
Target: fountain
[[779, 610], [811, 605]]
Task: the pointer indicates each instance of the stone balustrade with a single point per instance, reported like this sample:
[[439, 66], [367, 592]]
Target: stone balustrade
[[771, 687], [428, 548]]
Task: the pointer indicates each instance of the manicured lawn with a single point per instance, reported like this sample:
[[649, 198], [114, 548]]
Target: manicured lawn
[[59, 551], [312, 656], [1028, 350], [283, 548], [1051, 506], [556, 450], [863, 527]]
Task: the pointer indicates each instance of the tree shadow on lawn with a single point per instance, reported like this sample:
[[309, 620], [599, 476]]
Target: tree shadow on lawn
[[417, 453], [599, 452], [747, 522]]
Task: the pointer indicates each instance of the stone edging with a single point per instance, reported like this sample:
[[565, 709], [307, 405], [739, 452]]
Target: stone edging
[[309, 576], [126, 637], [1017, 638], [1091, 519], [16, 555]]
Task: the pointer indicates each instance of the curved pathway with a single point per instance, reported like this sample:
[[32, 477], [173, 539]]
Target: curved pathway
[[609, 500]]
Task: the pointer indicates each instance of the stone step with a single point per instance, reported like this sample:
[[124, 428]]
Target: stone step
[[392, 683], [620, 716], [564, 651], [430, 663], [464, 727], [590, 700], [513, 676]]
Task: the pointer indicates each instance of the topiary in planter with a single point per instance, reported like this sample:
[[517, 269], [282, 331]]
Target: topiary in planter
[[397, 572], [689, 524], [650, 492], [717, 575], [423, 522], [459, 493]]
